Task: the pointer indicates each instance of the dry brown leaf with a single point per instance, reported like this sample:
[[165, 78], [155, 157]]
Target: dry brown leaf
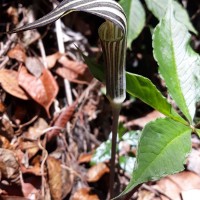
[[30, 187], [5, 143], [142, 121], [173, 185], [91, 109], [193, 161], [62, 120], [27, 165], [55, 177], [146, 195], [43, 90], [28, 146], [36, 170], [84, 194], [7, 127], [52, 59], [37, 130], [67, 182], [34, 66], [9, 82], [74, 71], [17, 53], [85, 158], [9, 167], [96, 172], [13, 12], [60, 179]]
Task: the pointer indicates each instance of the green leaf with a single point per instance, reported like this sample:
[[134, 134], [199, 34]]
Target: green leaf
[[196, 74], [197, 131], [96, 70], [178, 63], [135, 18], [121, 130], [162, 150], [159, 8], [142, 88]]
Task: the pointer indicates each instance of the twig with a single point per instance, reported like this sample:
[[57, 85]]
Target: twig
[[45, 156], [82, 98], [4, 62], [72, 171], [61, 48], [7, 45], [155, 191], [195, 14], [43, 53]]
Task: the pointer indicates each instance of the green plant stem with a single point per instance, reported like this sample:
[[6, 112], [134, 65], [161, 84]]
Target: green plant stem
[[116, 108]]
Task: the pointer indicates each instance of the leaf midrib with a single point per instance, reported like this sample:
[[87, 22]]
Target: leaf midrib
[[176, 66], [185, 132]]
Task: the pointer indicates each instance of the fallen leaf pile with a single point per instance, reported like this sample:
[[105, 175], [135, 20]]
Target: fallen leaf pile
[[39, 152]]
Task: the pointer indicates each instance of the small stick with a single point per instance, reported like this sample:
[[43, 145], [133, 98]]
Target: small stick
[[61, 48]]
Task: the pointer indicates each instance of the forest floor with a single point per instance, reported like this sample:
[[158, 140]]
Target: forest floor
[[54, 114]]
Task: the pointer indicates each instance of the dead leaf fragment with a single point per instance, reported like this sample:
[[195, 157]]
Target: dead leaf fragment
[[67, 181], [96, 172], [193, 161], [74, 71], [7, 127], [30, 147], [60, 179], [14, 14], [34, 66], [55, 177], [174, 185], [30, 187], [9, 167], [52, 59], [142, 121], [85, 158], [9, 82], [17, 53], [62, 120], [5, 143], [84, 194], [43, 90], [145, 195], [35, 131]]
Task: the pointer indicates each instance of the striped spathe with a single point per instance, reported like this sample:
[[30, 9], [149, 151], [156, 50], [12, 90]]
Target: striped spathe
[[112, 34], [107, 9]]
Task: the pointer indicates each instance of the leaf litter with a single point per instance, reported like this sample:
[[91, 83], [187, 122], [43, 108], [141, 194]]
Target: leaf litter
[[47, 144]]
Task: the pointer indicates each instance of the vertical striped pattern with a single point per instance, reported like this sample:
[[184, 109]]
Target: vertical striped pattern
[[113, 43], [112, 34]]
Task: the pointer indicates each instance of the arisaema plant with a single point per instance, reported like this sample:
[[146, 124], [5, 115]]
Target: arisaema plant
[[112, 34], [164, 143]]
